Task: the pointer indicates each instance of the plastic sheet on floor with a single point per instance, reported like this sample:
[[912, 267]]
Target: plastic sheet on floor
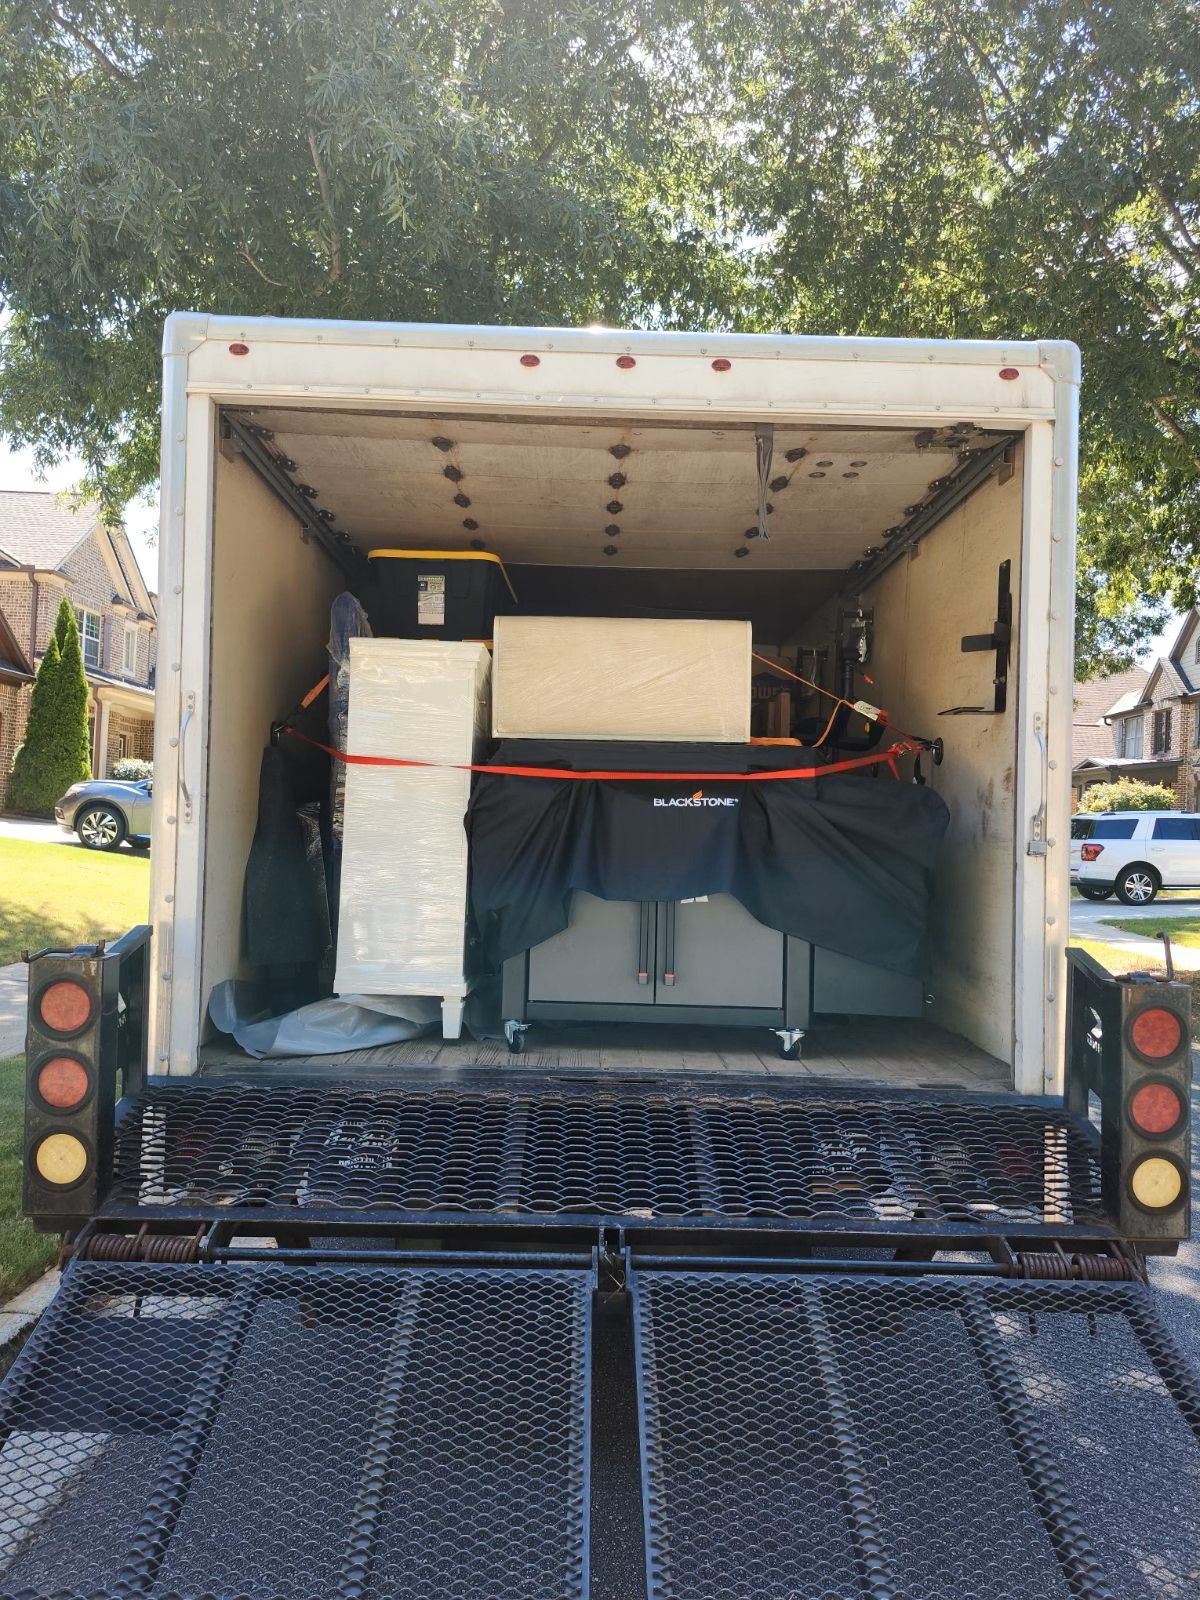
[[326, 1027]]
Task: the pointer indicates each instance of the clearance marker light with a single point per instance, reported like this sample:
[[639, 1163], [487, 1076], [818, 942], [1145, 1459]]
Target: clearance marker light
[[61, 1159]]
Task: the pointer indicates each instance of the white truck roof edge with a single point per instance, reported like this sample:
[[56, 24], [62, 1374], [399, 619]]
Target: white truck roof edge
[[183, 330], [1061, 359], [763, 346]]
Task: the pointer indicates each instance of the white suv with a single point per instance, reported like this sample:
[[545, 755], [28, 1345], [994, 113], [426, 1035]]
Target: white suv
[[1134, 854]]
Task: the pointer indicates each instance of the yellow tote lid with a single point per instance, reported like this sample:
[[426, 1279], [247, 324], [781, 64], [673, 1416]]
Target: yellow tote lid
[[444, 555]]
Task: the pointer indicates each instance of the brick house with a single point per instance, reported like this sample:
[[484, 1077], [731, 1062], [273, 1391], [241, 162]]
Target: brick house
[[1150, 728], [47, 550]]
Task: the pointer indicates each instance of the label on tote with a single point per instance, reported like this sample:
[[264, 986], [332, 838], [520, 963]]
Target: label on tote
[[431, 600]]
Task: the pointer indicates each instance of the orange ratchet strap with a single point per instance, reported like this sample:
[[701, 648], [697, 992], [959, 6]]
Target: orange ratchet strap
[[889, 757]]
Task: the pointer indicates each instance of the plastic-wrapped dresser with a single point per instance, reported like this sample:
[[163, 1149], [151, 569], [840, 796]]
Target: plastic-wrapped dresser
[[402, 928]]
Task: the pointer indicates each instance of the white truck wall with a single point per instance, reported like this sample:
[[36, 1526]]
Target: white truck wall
[[923, 607], [270, 619]]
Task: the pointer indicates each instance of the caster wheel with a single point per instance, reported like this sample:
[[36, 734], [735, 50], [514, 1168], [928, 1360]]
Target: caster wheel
[[790, 1052], [516, 1045]]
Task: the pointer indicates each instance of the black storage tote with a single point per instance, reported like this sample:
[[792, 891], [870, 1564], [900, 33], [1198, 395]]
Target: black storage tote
[[439, 594]]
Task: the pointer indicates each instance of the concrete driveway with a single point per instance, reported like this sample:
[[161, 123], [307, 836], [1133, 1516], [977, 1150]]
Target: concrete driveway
[[35, 832], [13, 988]]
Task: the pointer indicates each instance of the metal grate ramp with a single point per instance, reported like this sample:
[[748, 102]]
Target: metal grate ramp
[[933, 1439], [325, 1433], [622, 1154]]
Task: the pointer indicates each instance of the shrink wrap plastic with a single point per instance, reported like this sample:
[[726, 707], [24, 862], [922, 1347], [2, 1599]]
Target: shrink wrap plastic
[[402, 924], [347, 620], [621, 678]]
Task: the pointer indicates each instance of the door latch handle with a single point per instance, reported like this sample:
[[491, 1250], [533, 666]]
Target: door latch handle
[[184, 787]]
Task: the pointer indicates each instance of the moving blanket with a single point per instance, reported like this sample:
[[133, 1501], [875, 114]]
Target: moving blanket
[[843, 861]]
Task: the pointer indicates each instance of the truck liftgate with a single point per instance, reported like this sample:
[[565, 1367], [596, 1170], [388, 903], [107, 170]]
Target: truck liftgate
[[510, 1334]]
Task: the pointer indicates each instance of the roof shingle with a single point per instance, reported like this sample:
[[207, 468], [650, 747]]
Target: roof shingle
[[1093, 700], [39, 529]]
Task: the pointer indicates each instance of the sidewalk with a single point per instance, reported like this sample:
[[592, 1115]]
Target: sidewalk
[[1141, 951], [23, 1310], [13, 987], [34, 830]]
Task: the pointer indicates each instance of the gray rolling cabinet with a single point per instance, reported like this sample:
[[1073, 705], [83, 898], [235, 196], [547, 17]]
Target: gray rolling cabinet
[[698, 961]]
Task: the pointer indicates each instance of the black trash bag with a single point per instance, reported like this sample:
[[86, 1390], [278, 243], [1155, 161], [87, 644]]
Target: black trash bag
[[286, 937]]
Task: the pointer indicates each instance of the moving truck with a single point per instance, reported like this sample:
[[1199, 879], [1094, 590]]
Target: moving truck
[[664, 1320]]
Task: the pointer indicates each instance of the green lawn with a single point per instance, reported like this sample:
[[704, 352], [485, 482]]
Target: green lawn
[[23, 1253], [60, 894], [1108, 955], [1183, 930]]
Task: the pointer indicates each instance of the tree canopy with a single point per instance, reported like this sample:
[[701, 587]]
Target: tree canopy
[[923, 167]]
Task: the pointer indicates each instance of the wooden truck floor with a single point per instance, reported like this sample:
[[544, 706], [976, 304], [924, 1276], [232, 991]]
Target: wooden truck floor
[[906, 1053]]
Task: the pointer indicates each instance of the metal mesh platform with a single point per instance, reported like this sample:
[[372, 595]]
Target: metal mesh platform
[[620, 1154], [300, 1434], [931, 1440]]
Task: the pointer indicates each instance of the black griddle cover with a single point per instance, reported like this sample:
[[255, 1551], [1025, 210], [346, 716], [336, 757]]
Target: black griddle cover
[[843, 861]]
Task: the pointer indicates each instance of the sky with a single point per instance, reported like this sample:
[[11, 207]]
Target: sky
[[17, 471]]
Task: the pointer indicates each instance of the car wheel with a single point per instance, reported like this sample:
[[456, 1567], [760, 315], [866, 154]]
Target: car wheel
[[1137, 886], [1090, 893], [100, 828]]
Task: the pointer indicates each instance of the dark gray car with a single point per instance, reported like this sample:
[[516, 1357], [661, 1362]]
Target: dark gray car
[[106, 811]]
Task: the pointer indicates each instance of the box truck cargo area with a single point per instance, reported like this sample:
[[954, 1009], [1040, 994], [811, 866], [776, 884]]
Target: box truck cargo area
[[771, 1337], [910, 504]]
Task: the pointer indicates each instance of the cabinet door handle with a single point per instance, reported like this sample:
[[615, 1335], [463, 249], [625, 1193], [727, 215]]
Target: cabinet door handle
[[669, 973]]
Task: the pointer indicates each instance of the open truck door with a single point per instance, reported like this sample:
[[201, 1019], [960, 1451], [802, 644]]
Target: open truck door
[[525, 1334]]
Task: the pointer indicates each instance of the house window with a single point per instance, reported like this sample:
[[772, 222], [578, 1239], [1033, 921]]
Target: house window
[[122, 746], [88, 623], [129, 651], [1161, 733], [1196, 650], [1129, 737]]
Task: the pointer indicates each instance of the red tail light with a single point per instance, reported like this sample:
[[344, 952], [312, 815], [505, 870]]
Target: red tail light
[[1155, 1033], [63, 1082], [1156, 1108], [1091, 852], [64, 1007]]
